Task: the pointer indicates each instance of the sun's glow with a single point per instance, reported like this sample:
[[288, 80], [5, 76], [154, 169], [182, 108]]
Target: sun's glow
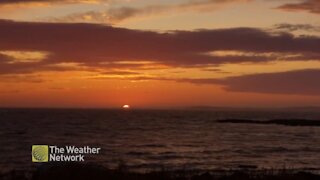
[[126, 106]]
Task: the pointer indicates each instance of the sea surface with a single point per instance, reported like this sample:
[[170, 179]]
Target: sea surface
[[171, 139]]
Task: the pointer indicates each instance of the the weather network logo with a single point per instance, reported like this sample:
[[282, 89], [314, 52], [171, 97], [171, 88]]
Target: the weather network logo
[[40, 153], [52, 153]]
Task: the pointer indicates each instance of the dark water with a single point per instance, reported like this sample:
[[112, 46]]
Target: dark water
[[148, 139]]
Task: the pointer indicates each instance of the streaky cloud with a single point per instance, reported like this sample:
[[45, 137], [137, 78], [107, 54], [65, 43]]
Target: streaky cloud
[[298, 82], [116, 15]]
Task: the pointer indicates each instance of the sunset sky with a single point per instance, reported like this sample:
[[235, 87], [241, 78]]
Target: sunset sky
[[159, 54]]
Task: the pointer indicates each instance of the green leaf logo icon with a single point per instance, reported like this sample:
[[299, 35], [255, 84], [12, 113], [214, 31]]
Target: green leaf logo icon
[[40, 153]]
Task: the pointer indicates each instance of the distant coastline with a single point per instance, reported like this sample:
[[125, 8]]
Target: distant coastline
[[286, 122]]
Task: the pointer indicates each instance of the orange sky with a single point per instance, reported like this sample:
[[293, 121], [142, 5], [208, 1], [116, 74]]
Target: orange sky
[[159, 54]]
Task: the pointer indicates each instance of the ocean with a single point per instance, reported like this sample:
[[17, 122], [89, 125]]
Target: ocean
[[171, 139]]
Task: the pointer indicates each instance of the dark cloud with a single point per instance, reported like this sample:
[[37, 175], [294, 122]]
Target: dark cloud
[[312, 6], [4, 59], [99, 46], [301, 82]]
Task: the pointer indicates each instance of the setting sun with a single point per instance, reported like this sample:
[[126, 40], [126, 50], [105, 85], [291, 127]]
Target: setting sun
[[184, 89]]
